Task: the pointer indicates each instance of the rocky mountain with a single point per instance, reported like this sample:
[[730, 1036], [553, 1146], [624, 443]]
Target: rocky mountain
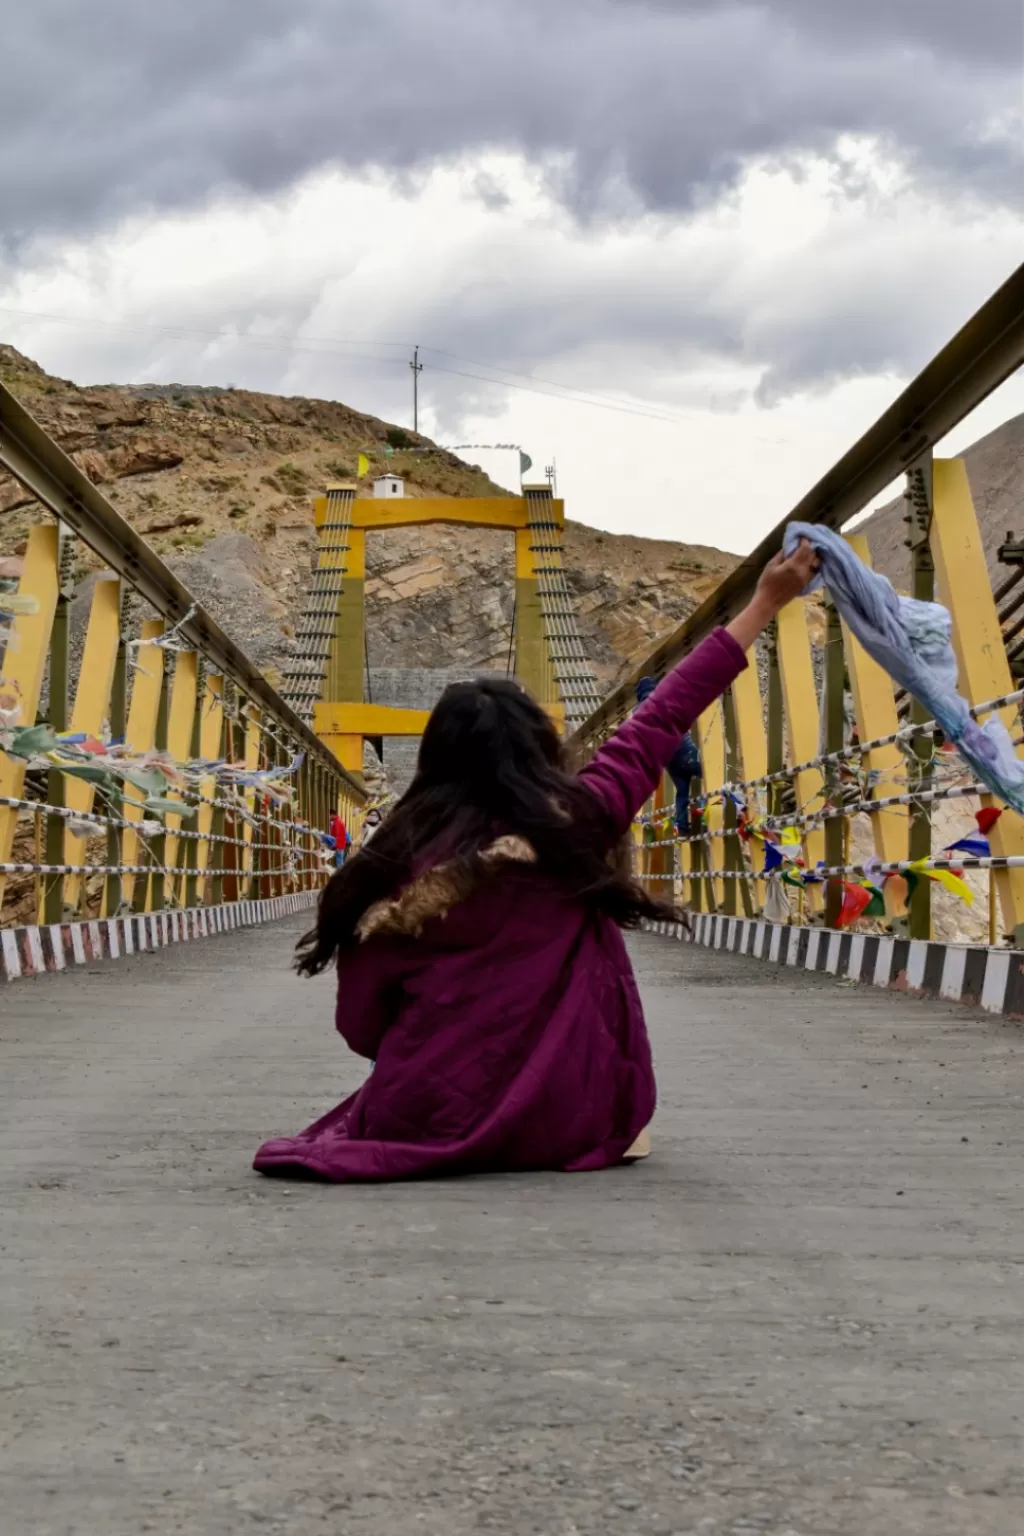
[[221, 481], [995, 470]]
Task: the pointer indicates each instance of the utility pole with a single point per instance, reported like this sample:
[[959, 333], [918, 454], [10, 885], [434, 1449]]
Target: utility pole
[[417, 369]]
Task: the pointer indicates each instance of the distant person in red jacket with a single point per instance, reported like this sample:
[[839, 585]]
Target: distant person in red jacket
[[340, 834]]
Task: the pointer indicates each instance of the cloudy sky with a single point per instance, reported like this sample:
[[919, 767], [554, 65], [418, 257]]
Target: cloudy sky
[[687, 249]]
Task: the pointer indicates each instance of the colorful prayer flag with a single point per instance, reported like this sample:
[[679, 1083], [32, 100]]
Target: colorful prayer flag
[[953, 884], [978, 847], [855, 899], [772, 857]]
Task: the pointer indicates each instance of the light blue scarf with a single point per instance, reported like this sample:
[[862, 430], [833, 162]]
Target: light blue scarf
[[911, 640]]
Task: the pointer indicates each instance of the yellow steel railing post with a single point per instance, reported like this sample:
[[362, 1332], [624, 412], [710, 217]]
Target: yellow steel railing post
[[711, 744], [118, 719], [741, 897], [180, 718], [211, 733], [776, 726], [92, 707], [751, 742], [149, 895], [24, 664], [802, 726], [660, 858], [918, 496], [140, 735], [965, 589], [835, 733], [874, 709], [252, 761], [52, 899]]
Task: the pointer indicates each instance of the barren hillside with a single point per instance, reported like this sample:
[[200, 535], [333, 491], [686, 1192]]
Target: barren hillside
[[995, 469], [221, 483]]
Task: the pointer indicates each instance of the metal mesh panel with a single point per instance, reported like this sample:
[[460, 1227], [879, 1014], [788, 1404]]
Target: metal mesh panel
[[574, 677], [304, 679]]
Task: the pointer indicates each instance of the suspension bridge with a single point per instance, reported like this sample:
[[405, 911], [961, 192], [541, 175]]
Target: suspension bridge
[[801, 1315]]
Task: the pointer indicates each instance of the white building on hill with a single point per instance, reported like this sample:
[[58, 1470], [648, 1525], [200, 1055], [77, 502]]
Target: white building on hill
[[388, 486]]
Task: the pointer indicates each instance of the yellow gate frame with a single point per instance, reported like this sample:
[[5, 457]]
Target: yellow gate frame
[[342, 719]]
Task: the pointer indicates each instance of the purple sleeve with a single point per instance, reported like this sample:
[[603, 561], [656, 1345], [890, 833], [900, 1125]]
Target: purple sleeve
[[370, 992], [626, 770]]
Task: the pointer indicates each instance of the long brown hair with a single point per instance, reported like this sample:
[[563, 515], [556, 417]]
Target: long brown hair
[[490, 762]]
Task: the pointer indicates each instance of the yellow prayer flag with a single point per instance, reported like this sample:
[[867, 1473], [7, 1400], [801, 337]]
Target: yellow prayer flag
[[945, 878], [362, 465], [955, 886]]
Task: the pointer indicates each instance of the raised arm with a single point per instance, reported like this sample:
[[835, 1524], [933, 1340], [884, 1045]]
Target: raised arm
[[626, 769]]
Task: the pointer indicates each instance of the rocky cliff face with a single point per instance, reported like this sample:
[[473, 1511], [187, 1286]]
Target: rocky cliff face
[[221, 481], [995, 470]]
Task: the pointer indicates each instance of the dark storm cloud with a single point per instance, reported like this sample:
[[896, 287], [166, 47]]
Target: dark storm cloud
[[983, 31], [119, 107]]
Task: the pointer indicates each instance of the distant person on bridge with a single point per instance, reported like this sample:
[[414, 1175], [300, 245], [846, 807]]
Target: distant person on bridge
[[339, 833], [371, 825], [682, 767], [480, 959]]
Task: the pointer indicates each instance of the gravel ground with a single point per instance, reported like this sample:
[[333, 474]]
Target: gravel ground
[[801, 1317]]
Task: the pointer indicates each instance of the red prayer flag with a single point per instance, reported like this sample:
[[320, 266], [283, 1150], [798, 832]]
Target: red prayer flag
[[855, 899]]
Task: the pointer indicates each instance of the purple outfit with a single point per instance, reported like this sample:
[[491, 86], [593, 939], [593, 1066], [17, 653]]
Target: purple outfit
[[509, 1035]]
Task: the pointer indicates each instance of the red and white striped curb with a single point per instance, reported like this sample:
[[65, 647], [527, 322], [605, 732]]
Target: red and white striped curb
[[992, 979], [59, 946]]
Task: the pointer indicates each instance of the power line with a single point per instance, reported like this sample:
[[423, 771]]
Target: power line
[[596, 395], [296, 343], [570, 399], [321, 346]]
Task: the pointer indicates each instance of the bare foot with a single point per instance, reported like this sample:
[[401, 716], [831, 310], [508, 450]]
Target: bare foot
[[641, 1148]]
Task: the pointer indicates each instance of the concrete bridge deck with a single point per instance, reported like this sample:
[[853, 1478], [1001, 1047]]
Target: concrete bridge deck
[[803, 1317]]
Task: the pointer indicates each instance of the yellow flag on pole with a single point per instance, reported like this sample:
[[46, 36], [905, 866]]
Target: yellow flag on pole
[[362, 465]]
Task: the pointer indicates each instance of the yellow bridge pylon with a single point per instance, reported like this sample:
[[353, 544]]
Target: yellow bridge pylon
[[326, 684]]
